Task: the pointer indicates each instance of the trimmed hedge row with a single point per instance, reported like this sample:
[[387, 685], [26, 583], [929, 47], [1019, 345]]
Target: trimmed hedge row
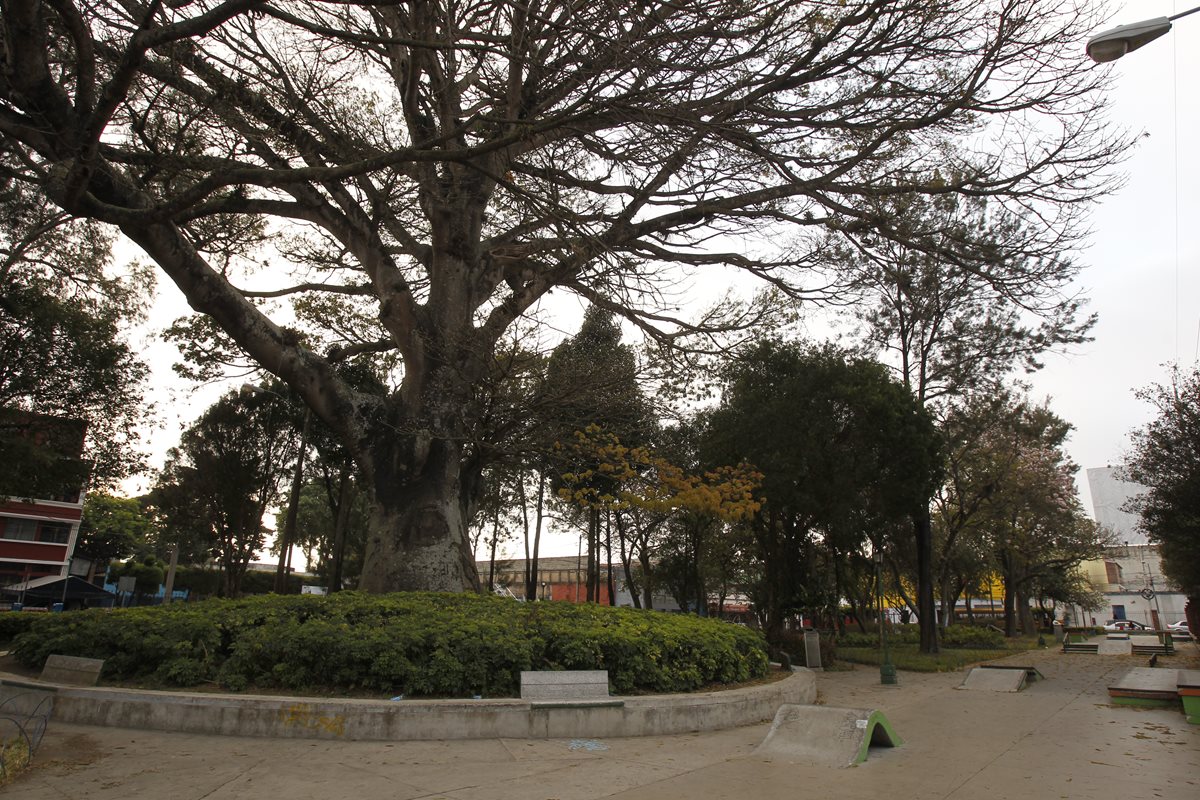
[[15, 622], [965, 636], [453, 645]]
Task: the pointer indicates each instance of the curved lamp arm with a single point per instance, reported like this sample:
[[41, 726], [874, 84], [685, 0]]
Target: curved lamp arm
[[1111, 45]]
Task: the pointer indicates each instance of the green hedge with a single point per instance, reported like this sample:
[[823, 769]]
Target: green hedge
[[967, 636], [964, 636], [413, 643], [15, 622]]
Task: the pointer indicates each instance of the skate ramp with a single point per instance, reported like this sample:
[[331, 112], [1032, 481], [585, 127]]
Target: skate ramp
[[999, 679], [834, 737], [1146, 687]]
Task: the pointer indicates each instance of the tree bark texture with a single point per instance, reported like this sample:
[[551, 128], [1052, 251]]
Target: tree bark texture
[[926, 608]]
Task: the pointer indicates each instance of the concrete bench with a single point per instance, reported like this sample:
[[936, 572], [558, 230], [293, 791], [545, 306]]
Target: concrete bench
[[566, 688], [72, 670]]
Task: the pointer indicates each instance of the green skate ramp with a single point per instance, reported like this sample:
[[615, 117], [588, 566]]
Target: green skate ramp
[[834, 737]]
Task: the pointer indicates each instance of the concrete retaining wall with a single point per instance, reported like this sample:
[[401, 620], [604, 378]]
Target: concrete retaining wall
[[381, 720]]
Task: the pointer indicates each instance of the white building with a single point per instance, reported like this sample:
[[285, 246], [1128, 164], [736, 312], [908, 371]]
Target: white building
[[1129, 575]]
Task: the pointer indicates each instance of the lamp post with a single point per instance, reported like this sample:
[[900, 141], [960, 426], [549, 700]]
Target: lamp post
[[887, 670], [1112, 44]]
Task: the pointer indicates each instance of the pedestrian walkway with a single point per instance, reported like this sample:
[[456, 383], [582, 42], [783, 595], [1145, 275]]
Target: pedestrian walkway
[[1059, 738]]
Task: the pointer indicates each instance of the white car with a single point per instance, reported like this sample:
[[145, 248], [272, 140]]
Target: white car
[[1179, 630], [1124, 626]]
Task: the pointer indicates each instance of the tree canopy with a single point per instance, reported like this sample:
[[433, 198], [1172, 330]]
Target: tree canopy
[[845, 455], [418, 176], [64, 348], [1165, 458], [217, 485], [112, 528]]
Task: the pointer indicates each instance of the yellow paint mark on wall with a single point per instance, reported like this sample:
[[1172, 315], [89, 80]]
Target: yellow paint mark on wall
[[302, 715]]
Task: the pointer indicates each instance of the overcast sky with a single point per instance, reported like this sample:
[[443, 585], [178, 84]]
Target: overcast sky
[[1141, 272]]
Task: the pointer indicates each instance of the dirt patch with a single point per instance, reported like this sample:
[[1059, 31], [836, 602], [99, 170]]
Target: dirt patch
[[70, 753]]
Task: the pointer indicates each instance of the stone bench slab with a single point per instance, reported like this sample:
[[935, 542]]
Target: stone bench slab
[[558, 686], [72, 670]]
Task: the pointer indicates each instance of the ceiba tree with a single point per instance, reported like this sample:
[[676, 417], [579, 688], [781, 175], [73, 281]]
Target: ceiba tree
[[446, 165]]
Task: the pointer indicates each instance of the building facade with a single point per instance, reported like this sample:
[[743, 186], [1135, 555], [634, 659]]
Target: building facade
[[1129, 575], [559, 578], [38, 533]]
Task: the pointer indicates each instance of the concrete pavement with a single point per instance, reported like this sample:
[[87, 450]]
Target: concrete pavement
[[1059, 738]]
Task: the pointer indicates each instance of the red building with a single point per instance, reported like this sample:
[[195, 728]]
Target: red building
[[559, 578], [41, 494]]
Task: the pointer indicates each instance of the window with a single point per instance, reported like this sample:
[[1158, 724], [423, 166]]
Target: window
[[54, 532], [22, 529], [1113, 570], [31, 530]]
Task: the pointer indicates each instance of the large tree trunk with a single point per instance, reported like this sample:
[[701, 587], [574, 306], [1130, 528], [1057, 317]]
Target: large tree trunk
[[926, 609], [418, 531], [1025, 613], [1010, 609]]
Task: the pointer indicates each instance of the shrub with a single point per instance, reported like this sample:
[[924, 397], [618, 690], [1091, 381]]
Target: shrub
[[15, 622], [410, 643], [956, 636], [858, 639], [967, 636]]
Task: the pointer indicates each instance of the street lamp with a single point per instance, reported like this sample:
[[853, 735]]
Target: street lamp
[[1111, 45], [887, 670]]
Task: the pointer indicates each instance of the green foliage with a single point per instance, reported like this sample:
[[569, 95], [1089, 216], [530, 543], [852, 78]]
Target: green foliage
[[317, 526], [968, 636], [1166, 459], [259, 582], [112, 527], [846, 456], [412, 644], [41, 454], [148, 574], [215, 487], [64, 349], [200, 581], [15, 622], [956, 636]]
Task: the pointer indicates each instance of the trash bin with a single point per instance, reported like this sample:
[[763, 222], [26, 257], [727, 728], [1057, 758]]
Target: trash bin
[[56, 607]]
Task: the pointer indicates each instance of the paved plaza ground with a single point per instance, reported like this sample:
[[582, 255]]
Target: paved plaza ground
[[1059, 738]]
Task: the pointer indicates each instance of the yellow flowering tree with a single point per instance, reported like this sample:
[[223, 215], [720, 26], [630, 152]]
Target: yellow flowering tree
[[639, 491]]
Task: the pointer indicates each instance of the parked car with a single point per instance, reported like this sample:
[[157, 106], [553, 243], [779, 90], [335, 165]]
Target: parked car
[[1179, 630], [1124, 625]]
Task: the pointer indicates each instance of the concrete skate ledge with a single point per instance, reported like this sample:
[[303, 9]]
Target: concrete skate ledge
[[403, 720]]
